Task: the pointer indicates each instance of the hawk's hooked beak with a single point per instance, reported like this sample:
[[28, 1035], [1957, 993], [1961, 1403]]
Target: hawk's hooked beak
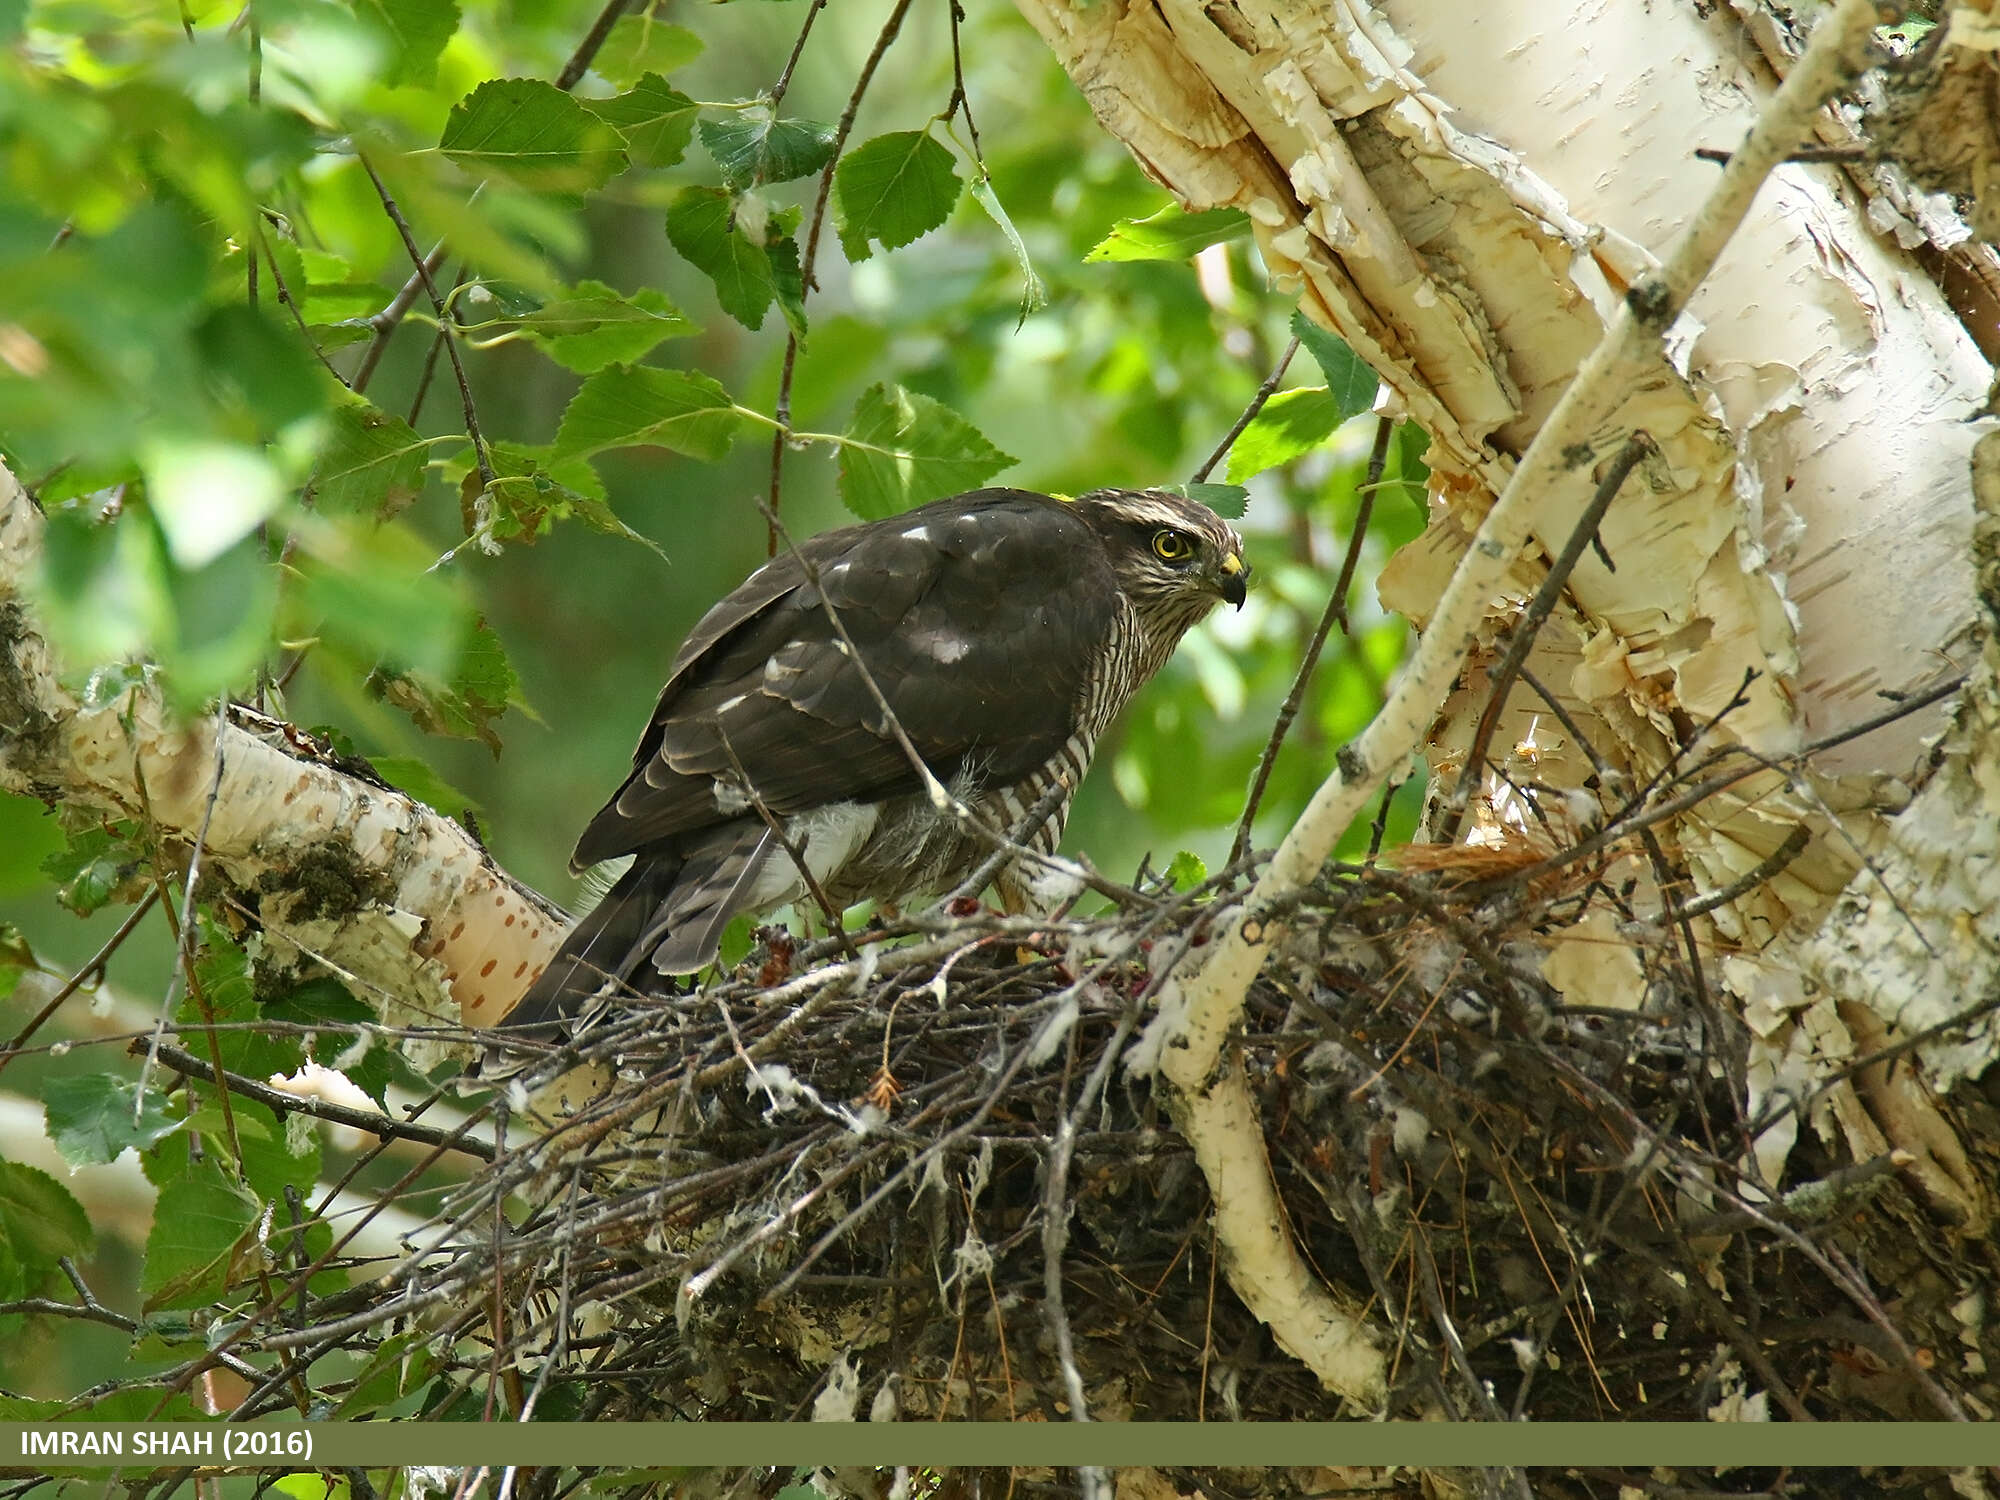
[[1235, 579]]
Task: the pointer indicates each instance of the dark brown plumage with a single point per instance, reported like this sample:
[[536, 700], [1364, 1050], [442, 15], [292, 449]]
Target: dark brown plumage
[[1003, 628]]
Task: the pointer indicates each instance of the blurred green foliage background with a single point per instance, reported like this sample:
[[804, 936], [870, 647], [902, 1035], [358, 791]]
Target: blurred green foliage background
[[193, 250]]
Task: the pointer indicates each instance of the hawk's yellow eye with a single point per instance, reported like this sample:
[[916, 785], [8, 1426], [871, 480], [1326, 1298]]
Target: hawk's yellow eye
[[1172, 546]]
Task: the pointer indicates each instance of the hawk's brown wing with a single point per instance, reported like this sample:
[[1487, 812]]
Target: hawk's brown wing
[[980, 617]]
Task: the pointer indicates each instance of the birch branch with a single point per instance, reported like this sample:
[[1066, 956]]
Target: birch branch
[[1198, 1012], [396, 899]]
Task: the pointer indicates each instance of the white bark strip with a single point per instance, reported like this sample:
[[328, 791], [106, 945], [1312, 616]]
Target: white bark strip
[[1263, 1264], [402, 903]]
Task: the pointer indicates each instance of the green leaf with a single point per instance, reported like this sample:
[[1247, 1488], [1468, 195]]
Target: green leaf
[[633, 407], [371, 464], [1034, 292], [595, 326], [96, 868], [134, 1404], [893, 189], [17, 957], [279, 1151], [373, 1064], [400, 1364], [534, 133], [483, 686], [416, 31], [220, 624], [228, 995], [701, 224], [736, 941], [197, 1223], [374, 594], [1187, 870], [788, 283], [533, 489], [40, 1222], [261, 368], [1170, 234], [330, 296], [752, 149], [600, 517], [94, 1118], [903, 449], [1348, 378], [208, 496], [29, 834], [1291, 423], [1227, 500], [640, 44], [655, 121]]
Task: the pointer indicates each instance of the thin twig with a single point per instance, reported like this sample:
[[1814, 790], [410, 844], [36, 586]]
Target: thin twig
[[1335, 613], [1694, 793], [1021, 833], [446, 322], [1055, 1212], [83, 976], [796, 854], [960, 102], [784, 83], [290, 302], [1805, 154], [86, 1307], [389, 319], [1249, 414], [386, 322], [382, 1127], [1581, 538], [184, 928], [429, 370], [587, 49], [782, 411], [1793, 846]]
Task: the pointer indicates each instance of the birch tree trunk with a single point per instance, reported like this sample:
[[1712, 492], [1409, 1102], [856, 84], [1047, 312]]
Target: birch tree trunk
[[1468, 194]]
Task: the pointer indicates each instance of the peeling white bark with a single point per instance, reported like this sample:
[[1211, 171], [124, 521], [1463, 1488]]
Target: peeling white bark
[[1912, 951], [1467, 194], [379, 888]]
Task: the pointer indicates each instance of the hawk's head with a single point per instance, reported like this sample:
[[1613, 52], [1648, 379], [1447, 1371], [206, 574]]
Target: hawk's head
[[1174, 558]]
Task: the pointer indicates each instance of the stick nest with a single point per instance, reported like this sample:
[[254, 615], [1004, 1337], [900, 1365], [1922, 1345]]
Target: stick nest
[[822, 1186]]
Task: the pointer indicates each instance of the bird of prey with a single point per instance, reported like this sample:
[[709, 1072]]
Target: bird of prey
[[1003, 629]]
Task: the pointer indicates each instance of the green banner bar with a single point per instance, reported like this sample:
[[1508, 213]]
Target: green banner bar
[[95, 1447]]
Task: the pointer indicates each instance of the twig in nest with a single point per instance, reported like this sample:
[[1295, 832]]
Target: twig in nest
[[1582, 537]]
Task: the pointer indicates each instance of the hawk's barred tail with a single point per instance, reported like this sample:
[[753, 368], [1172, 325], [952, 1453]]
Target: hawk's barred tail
[[606, 945], [665, 915], [713, 885]]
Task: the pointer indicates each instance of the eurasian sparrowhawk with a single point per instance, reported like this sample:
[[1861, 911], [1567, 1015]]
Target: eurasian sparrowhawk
[[1002, 628]]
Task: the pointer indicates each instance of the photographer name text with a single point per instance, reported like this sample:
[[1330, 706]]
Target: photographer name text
[[217, 1444]]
